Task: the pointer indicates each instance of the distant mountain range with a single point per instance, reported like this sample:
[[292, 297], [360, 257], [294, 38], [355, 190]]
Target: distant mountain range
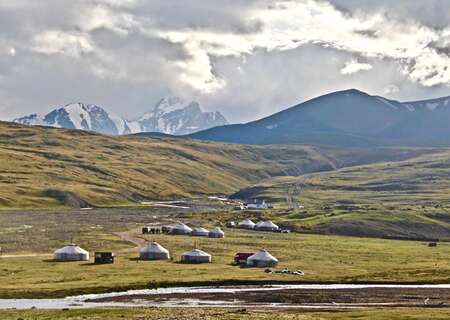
[[169, 116], [346, 118]]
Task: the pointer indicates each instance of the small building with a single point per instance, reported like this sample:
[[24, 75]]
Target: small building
[[247, 224], [154, 251], [71, 252], [241, 257], [262, 259], [104, 257], [257, 204], [231, 224], [151, 230], [166, 229], [196, 256], [239, 207], [266, 226], [200, 232], [216, 233], [180, 229]]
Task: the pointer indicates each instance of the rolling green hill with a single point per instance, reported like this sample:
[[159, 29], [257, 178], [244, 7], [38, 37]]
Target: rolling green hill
[[406, 199], [48, 167]]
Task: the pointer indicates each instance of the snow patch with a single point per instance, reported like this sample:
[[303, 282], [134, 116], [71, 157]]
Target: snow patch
[[77, 113], [119, 123], [134, 126], [432, 105], [386, 102], [410, 107]]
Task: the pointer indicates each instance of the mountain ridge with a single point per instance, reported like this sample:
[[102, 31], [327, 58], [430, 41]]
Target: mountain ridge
[[170, 115], [345, 118]]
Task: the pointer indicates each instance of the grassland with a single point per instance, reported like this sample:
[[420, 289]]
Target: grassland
[[398, 199], [322, 258], [56, 168], [205, 314]]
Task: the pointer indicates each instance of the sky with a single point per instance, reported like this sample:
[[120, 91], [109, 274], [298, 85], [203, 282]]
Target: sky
[[244, 58]]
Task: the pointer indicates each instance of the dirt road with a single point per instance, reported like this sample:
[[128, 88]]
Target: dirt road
[[130, 236]]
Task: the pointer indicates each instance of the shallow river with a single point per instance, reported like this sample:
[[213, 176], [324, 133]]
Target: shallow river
[[82, 301]]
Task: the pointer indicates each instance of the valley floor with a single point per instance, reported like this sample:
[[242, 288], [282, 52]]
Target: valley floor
[[28, 240]]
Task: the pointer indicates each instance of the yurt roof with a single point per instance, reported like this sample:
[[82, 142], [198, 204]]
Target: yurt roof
[[268, 224], [262, 255], [259, 223], [71, 249], [182, 226], [196, 253], [217, 230], [154, 247], [203, 230], [247, 222]]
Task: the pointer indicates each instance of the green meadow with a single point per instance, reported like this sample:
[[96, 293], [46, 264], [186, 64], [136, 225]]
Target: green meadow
[[322, 258]]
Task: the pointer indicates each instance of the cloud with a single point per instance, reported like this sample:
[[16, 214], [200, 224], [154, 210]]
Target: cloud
[[289, 25], [391, 89], [59, 42], [354, 66], [247, 58]]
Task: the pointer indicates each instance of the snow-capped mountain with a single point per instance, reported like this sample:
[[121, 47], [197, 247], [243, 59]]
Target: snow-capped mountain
[[78, 116], [174, 116], [170, 116]]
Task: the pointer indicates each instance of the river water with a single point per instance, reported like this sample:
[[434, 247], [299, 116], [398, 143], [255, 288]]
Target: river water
[[84, 301]]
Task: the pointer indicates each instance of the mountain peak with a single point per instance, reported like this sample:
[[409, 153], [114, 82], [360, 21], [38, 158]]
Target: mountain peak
[[171, 115], [346, 118], [170, 102], [352, 91]]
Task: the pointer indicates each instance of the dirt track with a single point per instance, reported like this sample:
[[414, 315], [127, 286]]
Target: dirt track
[[130, 236]]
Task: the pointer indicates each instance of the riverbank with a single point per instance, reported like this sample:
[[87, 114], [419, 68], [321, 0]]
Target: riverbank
[[317, 296], [293, 297]]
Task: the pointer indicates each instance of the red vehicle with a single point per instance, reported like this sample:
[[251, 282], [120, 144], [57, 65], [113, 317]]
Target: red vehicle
[[241, 257]]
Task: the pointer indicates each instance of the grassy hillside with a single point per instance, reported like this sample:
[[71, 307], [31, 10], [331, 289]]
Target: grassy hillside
[[48, 168], [402, 199]]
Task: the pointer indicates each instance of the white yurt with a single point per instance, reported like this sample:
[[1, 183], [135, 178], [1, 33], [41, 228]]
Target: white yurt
[[216, 233], [71, 252], [154, 251], [180, 228], [196, 256], [266, 226], [200, 232], [246, 224], [262, 259], [259, 224]]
